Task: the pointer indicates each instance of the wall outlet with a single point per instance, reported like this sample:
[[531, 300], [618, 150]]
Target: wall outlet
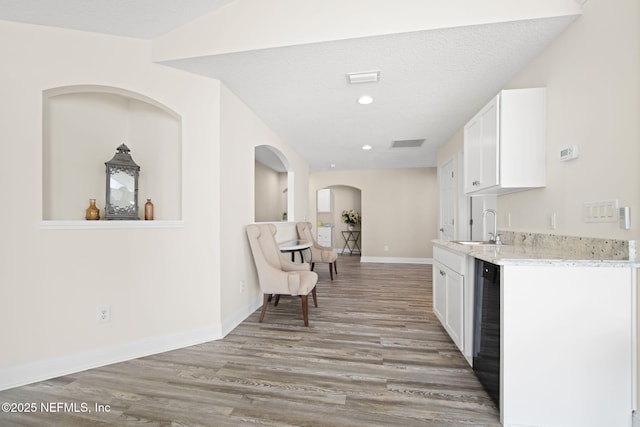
[[241, 286], [386, 248], [104, 314]]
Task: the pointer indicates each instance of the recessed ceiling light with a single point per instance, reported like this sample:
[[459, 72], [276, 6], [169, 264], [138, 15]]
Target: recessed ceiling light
[[365, 100], [367, 147]]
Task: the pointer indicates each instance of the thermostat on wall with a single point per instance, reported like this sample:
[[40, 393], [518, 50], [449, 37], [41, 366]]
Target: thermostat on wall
[[569, 153]]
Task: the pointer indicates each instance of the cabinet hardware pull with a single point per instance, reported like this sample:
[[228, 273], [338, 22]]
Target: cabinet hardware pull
[[442, 273]]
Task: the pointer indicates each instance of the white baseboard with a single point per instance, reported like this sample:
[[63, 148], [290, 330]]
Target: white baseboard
[[27, 373], [397, 260], [342, 251], [230, 322]]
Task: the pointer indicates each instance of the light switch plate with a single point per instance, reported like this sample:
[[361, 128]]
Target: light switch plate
[[601, 211]]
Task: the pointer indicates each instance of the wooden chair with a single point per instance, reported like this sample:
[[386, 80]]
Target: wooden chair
[[278, 275], [319, 253]]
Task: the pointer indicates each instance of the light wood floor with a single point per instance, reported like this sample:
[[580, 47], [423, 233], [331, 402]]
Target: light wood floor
[[373, 355]]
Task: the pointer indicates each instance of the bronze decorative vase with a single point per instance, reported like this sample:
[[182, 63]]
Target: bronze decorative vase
[[92, 213], [148, 210]]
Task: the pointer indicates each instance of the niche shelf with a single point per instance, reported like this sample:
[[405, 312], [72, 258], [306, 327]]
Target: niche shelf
[[108, 225]]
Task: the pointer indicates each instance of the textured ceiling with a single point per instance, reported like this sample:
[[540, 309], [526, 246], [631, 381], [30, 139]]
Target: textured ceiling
[[431, 82]]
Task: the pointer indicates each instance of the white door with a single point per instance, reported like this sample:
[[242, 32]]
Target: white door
[[447, 195]]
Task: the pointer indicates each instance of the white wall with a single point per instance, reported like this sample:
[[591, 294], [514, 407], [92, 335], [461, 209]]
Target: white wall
[[593, 92], [241, 131], [165, 286], [399, 209], [593, 100], [162, 284]]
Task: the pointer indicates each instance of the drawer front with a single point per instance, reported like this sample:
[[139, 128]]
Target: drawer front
[[455, 261]]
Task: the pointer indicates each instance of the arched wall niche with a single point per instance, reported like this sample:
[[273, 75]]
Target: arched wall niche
[[82, 127], [273, 189]]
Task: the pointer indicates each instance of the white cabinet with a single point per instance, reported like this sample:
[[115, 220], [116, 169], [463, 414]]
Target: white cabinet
[[448, 301], [505, 143], [439, 291], [324, 200], [568, 345], [453, 296], [325, 236]]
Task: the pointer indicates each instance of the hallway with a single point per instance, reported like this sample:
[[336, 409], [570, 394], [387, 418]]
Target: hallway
[[373, 355]]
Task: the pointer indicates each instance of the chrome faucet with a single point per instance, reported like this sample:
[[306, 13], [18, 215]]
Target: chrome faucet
[[495, 236]]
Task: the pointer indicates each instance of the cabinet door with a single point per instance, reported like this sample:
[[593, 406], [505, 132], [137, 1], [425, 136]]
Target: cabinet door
[[472, 154], [454, 318], [482, 148], [324, 200], [448, 301], [439, 291], [490, 145], [324, 236]]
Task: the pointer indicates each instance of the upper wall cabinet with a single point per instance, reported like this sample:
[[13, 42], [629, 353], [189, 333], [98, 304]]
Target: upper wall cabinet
[[504, 144], [324, 200]]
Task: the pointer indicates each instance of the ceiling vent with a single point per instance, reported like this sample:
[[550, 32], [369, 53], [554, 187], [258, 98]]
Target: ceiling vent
[[408, 143], [363, 77]]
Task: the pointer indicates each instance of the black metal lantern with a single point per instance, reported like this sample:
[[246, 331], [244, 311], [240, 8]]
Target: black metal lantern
[[122, 186]]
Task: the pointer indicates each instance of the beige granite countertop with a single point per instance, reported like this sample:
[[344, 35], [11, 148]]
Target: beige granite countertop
[[551, 250]]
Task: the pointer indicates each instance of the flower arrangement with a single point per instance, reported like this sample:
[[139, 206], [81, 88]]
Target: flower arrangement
[[351, 217]]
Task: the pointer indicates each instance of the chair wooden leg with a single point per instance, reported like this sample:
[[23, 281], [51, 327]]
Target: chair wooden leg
[[335, 266], [331, 270], [315, 299], [312, 265], [305, 314], [276, 301], [265, 302]]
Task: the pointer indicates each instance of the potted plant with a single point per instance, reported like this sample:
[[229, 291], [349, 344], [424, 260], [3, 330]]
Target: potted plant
[[351, 218]]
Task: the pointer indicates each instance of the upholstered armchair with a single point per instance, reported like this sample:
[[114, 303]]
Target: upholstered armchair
[[278, 275], [319, 253]]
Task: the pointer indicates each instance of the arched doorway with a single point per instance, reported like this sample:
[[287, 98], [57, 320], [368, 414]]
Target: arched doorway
[[331, 203]]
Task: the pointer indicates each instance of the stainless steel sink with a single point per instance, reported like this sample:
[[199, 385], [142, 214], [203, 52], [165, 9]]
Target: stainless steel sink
[[476, 243]]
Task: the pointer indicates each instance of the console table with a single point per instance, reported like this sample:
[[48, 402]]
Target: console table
[[351, 241]]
